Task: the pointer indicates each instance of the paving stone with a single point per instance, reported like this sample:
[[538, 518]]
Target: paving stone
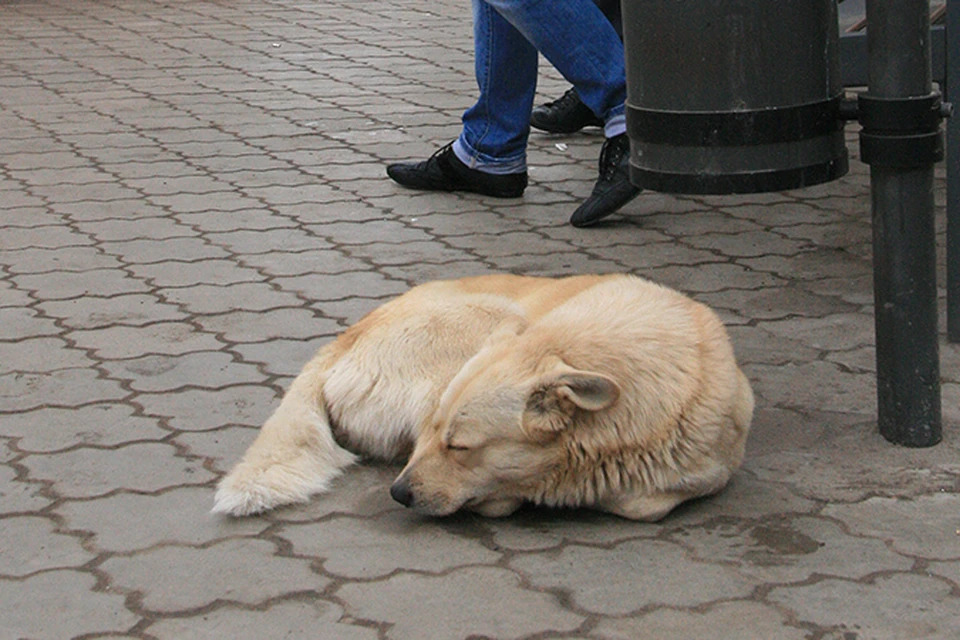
[[744, 497], [950, 402], [17, 496], [17, 323], [200, 410], [12, 301], [167, 338], [252, 219], [543, 529], [118, 209], [32, 545], [754, 345], [337, 286], [839, 332], [837, 235], [49, 260], [281, 357], [790, 549], [780, 213], [718, 277], [39, 355], [949, 570], [237, 570], [457, 605], [819, 264], [356, 233], [85, 473], [656, 254], [313, 619], [224, 445], [207, 369], [91, 312], [426, 272], [247, 296], [62, 285], [778, 303], [388, 253], [131, 522], [51, 237], [249, 326], [696, 219], [829, 472], [379, 546], [890, 607], [748, 244], [288, 263], [741, 620], [604, 580], [933, 523], [187, 274], [816, 384], [253, 242], [223, 204], [147, 251], [52, 429], [62, 388], [506, 244], [47, 605], [158, 228]]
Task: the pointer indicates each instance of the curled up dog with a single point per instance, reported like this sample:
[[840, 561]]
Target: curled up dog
[[609, 392]]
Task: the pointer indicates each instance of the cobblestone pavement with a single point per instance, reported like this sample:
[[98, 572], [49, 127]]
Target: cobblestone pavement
[[193, 199]]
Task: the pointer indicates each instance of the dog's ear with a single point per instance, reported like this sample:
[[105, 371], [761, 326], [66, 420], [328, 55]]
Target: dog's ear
[[563, 390]]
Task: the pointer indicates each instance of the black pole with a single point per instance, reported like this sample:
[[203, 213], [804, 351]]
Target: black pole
[[899, 141], [952, 61]]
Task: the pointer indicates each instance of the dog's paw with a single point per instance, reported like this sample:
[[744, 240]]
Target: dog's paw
[[237, 496], [254, 488]]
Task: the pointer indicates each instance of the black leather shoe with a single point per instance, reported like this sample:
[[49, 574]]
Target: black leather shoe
[[613, 188], [566, 114], [443, 171]]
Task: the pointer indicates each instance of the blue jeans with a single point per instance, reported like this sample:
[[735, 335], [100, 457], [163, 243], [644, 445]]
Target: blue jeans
[[573, 35]]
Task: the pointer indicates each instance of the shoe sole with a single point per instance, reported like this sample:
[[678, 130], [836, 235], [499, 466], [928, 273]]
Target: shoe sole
[[553, 129], [446, 188]]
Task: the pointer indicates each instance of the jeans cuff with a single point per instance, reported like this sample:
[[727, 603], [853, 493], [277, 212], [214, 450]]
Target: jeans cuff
[[481, 162], [615, 125]]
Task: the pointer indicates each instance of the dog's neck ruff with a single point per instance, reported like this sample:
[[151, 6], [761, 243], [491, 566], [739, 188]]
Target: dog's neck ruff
[[589, 475]]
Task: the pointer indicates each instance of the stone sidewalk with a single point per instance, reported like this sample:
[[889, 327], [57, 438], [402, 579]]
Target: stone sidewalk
[[193, 199]]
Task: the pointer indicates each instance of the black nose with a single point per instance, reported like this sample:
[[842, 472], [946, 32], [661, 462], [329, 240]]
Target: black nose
[[400, 491]]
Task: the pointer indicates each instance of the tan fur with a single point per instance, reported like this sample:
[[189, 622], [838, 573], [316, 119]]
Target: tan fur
[[601, 391]]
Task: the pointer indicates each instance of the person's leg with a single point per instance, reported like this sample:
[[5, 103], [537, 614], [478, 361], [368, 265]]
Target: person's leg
[[495, 129], [568, 114], [580, 42], [490, 155], [611, 9]]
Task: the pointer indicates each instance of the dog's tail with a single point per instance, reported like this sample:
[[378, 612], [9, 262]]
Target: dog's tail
[[293, 457]]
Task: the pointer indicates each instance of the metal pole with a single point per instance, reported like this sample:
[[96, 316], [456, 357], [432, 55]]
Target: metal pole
[[952, 62], [905, 291]]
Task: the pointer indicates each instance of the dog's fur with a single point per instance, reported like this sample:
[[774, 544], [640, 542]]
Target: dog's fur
[[603, 391]]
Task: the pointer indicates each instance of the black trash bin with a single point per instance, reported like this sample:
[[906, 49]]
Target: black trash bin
[[733, 96]]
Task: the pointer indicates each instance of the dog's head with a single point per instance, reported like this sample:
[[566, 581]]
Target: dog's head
[[496, 433]]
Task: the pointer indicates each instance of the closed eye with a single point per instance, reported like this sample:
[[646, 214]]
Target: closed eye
[[457, 447]]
